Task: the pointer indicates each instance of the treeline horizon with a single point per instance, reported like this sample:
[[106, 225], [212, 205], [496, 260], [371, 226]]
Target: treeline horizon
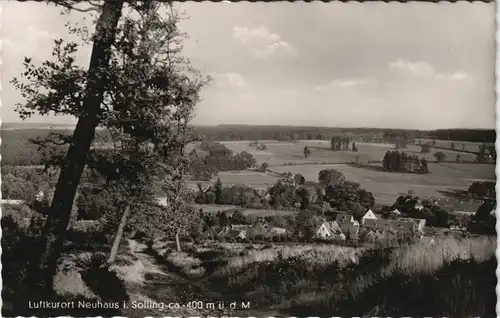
[[14, 136]]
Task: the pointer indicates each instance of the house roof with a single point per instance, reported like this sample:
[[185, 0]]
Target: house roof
[[333, 227], [368, 213], [195, 185]]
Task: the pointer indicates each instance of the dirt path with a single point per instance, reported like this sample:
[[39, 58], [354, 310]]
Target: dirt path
[[161, 287]]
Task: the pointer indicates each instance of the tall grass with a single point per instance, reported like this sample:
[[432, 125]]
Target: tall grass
[[351, 281]]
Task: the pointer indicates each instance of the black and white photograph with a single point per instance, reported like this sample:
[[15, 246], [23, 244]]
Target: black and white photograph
[[248, 159]]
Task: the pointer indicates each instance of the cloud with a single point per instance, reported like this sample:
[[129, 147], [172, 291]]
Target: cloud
[[262, 42], [423, 69], [31, 36], [38, 33], [348, 83], [229, 80]]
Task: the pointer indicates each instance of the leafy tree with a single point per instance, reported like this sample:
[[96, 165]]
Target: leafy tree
[[238, 218], [307, 152], [137, 86], [484, 189], [354, 148], [342, 195], [357, 210], [425, 148], [299, 179], [440, 156], [283, 195], [307, 224], [222, 219], [303, 195], [263, 167], [330, 177], [218, 191]]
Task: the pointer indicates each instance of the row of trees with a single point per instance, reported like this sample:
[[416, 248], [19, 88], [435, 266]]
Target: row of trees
[[395, 161], [340, 143], [219, 158], [235, 132]]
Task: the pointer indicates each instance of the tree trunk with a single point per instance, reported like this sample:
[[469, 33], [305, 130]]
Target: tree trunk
[[119, 234], [178, 242], [83, 135]]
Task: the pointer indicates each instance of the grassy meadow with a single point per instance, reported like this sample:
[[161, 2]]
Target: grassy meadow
[[283, 153], [443, 180], [297, 278]]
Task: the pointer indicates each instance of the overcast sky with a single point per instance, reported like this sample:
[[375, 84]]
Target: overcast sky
[[413, 65]]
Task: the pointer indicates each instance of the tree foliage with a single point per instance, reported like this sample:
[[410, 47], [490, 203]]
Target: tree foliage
[[395, 161], [139, 88]]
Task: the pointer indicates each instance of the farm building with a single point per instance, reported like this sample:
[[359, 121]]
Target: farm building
[[330, 230], [402, 224], [368, 215]]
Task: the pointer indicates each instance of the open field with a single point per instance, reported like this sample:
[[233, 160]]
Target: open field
[[287, 157], [253, 179], [284, 153], [465, 145], [386, 187]]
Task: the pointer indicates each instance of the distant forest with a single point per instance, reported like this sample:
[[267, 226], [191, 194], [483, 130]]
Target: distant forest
[[17, 149], [285, 133]]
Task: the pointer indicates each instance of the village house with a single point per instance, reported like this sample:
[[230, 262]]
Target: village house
[[330, 230], [235, 231], [368, 215], [394, 214], [401, 224]]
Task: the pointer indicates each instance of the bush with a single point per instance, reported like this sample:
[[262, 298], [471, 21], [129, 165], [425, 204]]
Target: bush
[[483, 189], [103, 281]]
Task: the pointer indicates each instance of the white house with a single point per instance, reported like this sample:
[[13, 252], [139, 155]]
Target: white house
[[419, 206], [368, 215], [330, 230], [394, 214]]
